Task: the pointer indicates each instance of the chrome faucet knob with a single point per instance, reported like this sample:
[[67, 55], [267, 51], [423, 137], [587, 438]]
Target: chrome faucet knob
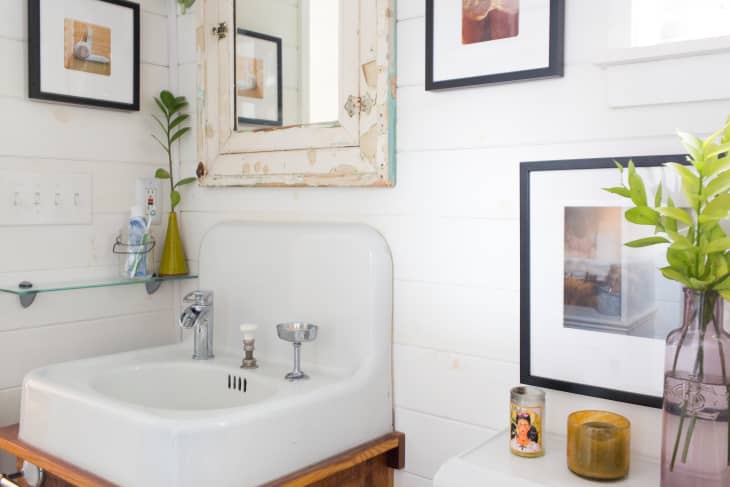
[[200, 296], [189, 317]]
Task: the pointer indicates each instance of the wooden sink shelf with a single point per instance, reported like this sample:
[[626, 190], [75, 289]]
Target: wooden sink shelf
[[368, 465]]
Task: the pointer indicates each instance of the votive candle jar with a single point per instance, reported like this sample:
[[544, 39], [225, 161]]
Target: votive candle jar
[[527, 426], [599, 445]]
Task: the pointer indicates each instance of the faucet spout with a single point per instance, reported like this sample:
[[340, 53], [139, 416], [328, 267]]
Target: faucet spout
[[199, 317]]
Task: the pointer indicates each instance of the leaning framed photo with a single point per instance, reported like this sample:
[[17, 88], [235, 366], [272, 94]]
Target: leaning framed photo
[[258, 85], [476, 42], [594, 313], [84, 52]]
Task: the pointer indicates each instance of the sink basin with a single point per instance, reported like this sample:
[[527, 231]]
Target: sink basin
[[157, 417], [182, 386]]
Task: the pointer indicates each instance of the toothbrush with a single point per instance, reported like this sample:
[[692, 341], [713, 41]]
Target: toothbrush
[[138, 258]]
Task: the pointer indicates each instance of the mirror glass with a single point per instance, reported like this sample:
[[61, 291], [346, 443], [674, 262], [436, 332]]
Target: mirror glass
[[287, 62]]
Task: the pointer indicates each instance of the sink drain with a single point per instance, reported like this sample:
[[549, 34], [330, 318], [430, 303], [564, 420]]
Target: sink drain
[[235, 382]]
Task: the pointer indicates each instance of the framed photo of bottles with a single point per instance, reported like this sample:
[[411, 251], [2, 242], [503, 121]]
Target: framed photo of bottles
[[84, 52]]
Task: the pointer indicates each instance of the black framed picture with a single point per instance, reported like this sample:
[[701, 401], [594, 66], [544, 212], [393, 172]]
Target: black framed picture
[[475, 42], [84, 52], [594, 313], [258, 79]]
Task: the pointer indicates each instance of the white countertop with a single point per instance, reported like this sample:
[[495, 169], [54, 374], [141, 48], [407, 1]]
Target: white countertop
[[492, 463]]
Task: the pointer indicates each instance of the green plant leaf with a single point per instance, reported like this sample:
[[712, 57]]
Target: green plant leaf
[[642, 215], [619, 190], [164, 147], [636, 186], [719, 265], [716, 165], [692, 143], [168, 99], [720, 245], [723, 283], [678, 259], [725, 295], [675, 275], [185, 4], [645, 242], [717, 209], [159, 122], [179, 134], [162, 107], [710, 140], [177, 104], [717, 232], [162, 174], [690, 182], [658, 196], [185, 181], [174, 199], [178, 120], [676, 213], [680, 241], [670, 224], [718, 185], [699, 283], [619, 166], [715, 150]]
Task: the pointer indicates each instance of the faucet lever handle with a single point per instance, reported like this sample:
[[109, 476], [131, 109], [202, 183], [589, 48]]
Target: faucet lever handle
[[199, 297]]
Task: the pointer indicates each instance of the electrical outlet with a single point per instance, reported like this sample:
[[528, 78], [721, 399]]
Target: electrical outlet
[[149, 194]]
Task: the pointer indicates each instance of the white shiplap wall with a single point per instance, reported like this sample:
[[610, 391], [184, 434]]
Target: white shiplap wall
[[115, 148], [452, 224]]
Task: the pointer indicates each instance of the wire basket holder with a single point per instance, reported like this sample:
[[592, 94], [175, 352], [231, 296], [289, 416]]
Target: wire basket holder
[[132, 256]]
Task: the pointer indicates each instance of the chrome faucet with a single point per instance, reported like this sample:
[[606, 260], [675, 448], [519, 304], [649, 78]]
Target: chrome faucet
[[199, 316]]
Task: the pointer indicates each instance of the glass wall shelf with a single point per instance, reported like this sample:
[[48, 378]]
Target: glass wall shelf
[[28, 291]]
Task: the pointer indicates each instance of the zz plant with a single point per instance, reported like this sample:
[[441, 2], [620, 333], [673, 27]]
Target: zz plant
[[185, 4], [172, 129]]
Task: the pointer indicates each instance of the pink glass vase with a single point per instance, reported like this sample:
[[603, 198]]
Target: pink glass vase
[[696, 432]]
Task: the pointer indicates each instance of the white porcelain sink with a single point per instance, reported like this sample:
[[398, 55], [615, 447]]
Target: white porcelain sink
[[182, 386], [158, 418]]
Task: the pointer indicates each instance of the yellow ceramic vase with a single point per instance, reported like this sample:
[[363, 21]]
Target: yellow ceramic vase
[[173, 255]]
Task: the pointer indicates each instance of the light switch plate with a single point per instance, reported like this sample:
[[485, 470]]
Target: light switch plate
[[45, 199]]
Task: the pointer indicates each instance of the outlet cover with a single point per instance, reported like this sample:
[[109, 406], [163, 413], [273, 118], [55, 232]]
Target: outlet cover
[[149, 198]]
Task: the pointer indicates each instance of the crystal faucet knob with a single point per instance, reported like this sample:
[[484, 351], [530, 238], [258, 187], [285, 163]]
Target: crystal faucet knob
[[248, 331]]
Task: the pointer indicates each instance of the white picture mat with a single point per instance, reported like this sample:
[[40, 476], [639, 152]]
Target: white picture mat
[[454, 60], [55, 78], [621, 362], [266, 108]]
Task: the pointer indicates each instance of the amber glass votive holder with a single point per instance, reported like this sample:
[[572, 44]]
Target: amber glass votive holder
[[599, 445]]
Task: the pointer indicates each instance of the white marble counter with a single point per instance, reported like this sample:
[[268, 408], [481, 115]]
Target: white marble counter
[[493, 464]]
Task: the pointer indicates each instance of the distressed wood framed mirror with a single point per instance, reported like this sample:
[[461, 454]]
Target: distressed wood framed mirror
[[296, 92]]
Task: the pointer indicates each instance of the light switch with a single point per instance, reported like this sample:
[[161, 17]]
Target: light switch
[[45, 199]]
